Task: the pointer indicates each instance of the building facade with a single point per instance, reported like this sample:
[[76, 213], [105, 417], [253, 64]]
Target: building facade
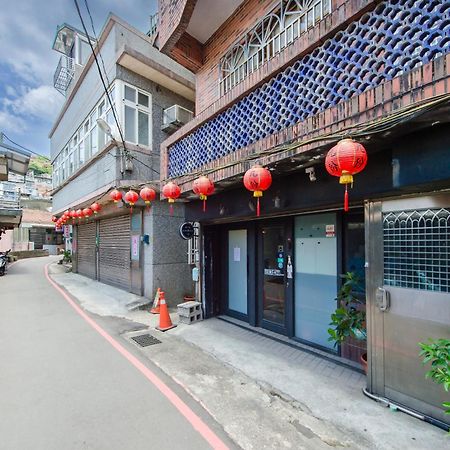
[[278, 84], [132, 248]]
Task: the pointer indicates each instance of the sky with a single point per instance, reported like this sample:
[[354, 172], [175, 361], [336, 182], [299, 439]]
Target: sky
[[28, 101]]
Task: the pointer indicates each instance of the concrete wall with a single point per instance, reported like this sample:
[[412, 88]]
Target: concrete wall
[[87, 95], [165, 259]]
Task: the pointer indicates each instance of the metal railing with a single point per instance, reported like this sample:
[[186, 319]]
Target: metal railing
[[286, 35], [64, 74], [154, 21]]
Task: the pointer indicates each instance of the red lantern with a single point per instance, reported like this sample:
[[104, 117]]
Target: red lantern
[[87, 212], [73, 215], [79, 214], [54, 219], [115, 195], [148, 195], [96, 207], [257, 179], [203, 186], [171, 191], [344, 160], [131, 197]]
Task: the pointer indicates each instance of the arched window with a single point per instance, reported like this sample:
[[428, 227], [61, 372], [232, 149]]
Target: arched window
[[274, 32]]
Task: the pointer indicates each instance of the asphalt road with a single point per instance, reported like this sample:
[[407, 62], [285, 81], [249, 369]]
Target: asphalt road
[[65, 386]]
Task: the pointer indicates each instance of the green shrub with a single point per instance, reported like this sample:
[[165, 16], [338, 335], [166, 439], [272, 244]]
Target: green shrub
[[437, 353]]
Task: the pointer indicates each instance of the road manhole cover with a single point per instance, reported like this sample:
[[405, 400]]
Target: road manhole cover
[[144, 340]]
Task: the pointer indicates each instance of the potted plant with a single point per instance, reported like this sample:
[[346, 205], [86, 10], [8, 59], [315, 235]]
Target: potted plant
[[349, 319], [437, 353]]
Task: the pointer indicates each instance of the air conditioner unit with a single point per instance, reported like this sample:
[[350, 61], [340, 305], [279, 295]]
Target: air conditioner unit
[[175, 117]]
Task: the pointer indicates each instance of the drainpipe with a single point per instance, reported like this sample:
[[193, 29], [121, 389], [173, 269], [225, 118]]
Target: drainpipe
[[395, 406]]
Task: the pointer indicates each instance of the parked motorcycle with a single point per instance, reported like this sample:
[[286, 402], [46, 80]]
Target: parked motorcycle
[[3, 262]]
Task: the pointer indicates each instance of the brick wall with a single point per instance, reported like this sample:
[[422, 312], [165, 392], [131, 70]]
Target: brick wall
[[174, 17], [244, 18], [188, 52]]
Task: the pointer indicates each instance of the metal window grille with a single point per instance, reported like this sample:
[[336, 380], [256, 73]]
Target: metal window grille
[[417, 249]]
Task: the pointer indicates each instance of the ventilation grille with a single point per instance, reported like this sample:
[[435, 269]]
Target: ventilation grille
[[417, 249]]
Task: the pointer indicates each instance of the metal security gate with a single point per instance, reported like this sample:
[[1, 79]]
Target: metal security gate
[[86, 250], [408, 248], [114, 252]]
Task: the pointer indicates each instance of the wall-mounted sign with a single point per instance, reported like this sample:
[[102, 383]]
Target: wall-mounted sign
[[329, 231], [273, 272], [187, 230]]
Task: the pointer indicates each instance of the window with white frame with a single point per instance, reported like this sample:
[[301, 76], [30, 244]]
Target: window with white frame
[[89, 138], [136, 115]]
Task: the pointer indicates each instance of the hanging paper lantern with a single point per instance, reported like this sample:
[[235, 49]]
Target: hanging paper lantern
[[115, 195], [95, 207], [87, 212], [73, 215], [257, 179], [131, 197], [54, 219], [203, 187], [171, 191], [79, 214], [344, 160], [148, 195]]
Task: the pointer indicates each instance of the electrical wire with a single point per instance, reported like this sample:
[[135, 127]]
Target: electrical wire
[[127, 155], [24, 148], [377, 126]]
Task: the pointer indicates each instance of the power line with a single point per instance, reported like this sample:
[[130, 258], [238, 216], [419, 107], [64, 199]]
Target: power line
[[24, 148], [127, 155]]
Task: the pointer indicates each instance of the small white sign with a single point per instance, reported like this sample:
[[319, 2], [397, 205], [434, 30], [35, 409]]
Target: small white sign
[[329, 231], [237, 254]]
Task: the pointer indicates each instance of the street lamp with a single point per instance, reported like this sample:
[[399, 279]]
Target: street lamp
[[113, 135]]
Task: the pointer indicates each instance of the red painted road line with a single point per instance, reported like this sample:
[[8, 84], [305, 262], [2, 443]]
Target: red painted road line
[[184, 409]]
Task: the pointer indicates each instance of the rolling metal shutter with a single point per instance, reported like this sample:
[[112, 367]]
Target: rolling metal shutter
[[114, 252], [86, 249]]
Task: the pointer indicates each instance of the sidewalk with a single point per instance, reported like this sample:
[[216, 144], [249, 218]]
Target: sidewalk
[[264, 393]]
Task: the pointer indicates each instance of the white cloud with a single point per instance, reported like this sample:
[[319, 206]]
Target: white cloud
[[43, 102], [11, 123]]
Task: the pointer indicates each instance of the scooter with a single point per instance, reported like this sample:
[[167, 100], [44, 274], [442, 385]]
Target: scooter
[[3, 262]]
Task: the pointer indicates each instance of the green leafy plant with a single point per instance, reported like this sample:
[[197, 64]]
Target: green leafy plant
[[437, 353], [349, 319], [67, 256]]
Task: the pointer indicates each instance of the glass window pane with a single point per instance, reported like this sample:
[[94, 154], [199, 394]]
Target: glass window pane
[[130, 124], [101, 108], [143, 128], [130, 94], [81, 152], [143, 99], [94, 140]]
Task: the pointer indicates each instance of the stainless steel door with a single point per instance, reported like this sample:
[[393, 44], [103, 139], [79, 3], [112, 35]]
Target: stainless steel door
[[408, 288]]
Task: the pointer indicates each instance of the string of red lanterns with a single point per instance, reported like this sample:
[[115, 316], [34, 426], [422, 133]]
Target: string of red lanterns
[[345, 159]]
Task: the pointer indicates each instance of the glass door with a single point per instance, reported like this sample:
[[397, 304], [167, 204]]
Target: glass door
[[237, 271], [273, 304]]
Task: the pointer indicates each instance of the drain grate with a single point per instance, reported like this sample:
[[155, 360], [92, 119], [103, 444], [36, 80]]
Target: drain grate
[[144, 340]]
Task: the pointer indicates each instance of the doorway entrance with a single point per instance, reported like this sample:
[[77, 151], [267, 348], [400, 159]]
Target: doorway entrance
[[408, 297], [275, 270]]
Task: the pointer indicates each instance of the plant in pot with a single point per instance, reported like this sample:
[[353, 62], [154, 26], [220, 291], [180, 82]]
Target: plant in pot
[[349, 319], [437, 353]]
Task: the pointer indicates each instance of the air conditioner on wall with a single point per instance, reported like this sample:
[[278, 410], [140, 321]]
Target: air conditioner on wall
[[175, 117]]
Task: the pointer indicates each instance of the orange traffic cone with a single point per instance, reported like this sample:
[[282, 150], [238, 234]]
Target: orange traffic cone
[[155, 307], [164, 318]]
